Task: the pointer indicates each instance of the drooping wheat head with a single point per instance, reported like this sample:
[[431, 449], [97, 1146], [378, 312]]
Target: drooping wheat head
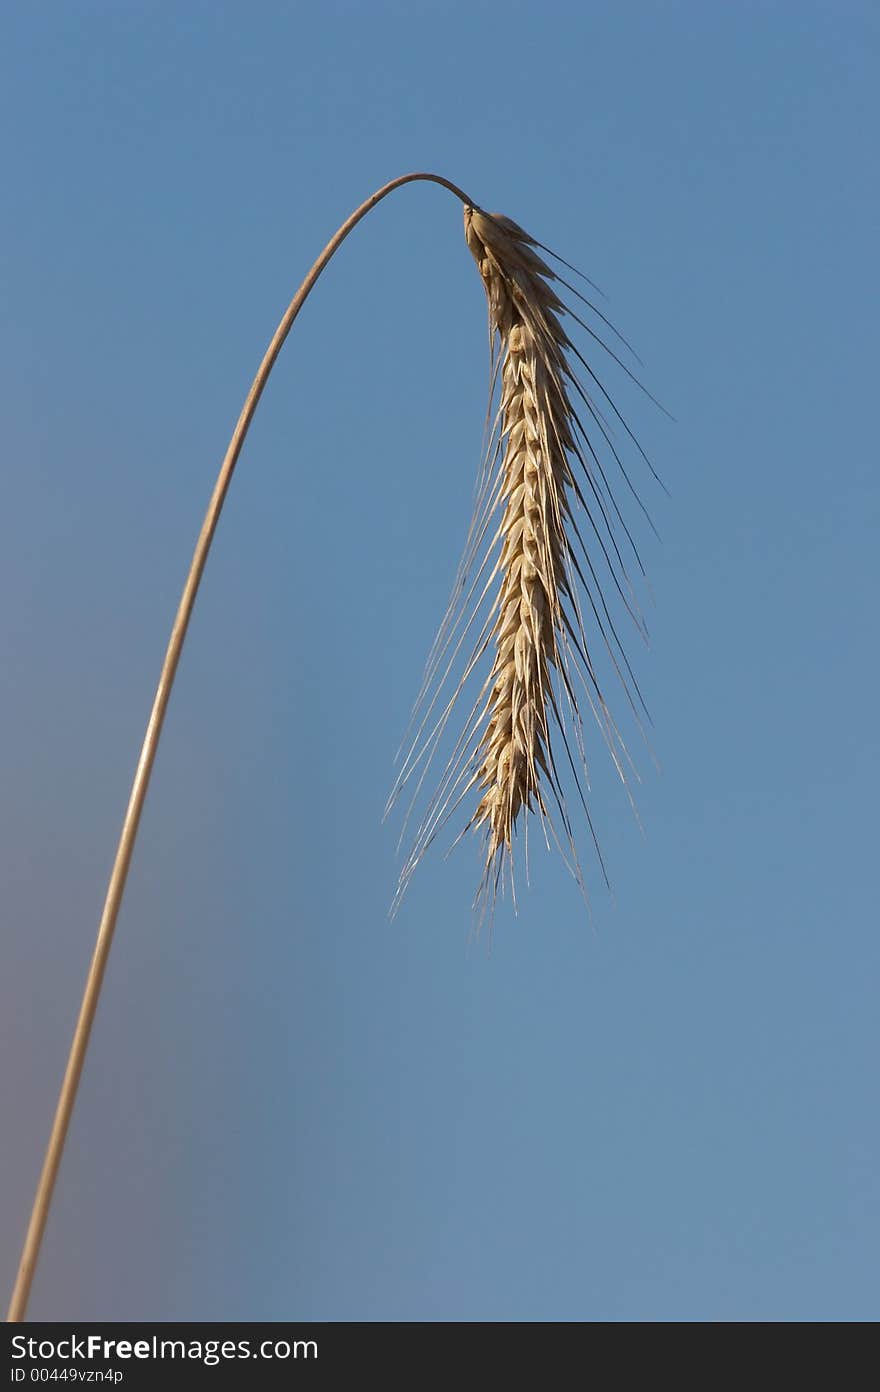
[[523, 584]]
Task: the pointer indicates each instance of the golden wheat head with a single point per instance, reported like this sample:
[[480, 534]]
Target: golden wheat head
[[528, 576]]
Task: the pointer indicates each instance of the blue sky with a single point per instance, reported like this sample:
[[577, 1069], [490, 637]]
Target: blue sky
[[293, 1108]]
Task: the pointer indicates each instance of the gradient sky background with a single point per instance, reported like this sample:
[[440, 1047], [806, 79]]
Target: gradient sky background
[[292, 1108]]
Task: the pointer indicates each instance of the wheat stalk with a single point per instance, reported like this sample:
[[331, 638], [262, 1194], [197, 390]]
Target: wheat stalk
[[535, 622], [131, 821], [541, 663]]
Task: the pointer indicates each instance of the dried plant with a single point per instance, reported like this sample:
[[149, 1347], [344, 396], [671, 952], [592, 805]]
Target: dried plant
[[535, 621], [541, 468]]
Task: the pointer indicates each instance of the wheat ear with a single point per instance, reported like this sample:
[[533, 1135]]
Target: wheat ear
[[540, 465]]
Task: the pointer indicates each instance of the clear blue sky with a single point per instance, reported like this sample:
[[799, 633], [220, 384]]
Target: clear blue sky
[[291, 1107]]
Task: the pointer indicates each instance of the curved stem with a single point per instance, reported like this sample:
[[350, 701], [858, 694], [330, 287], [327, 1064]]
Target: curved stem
[[119, 872]]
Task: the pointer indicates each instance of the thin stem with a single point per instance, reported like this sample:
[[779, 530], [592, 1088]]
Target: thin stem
[[119, 873]]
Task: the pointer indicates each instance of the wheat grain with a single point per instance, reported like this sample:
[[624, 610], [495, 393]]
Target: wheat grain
[[540, 466]]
